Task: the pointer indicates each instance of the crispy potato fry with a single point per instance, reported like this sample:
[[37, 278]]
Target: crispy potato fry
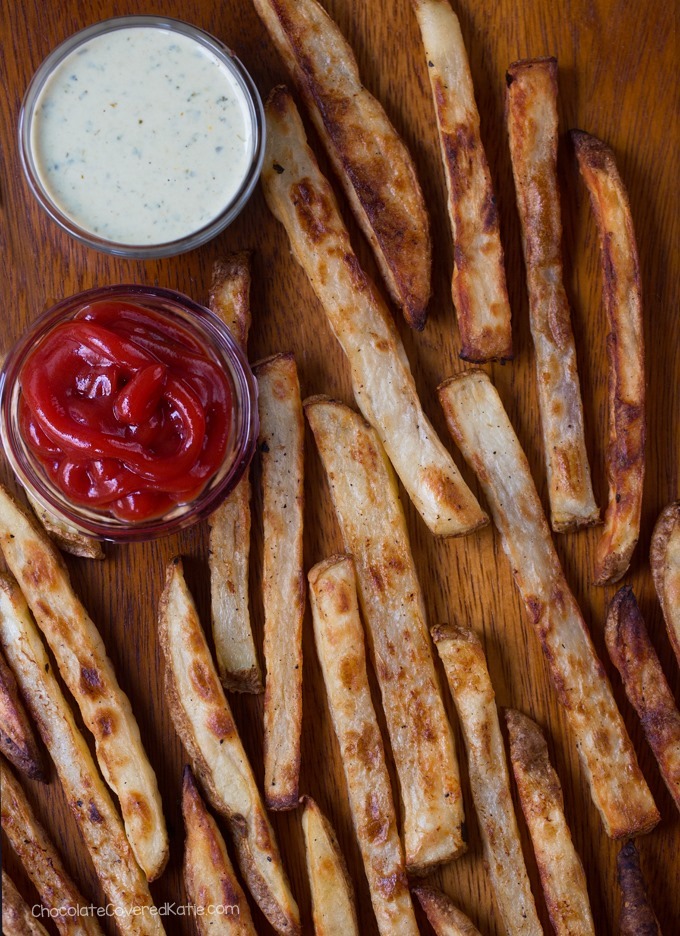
[[41, 860], [637, 917], [626, 353], [333, 907], [237, 661], [664, 559], [339, 640], [479, 291], [366, 501], [372, 163], [17, 918], [204, 723], [540, 794], [633, 655], [443, 915], [532, 128], [302, 200], [482, 431], [65, 536], [121, 878], [208, 872], [466, 670], [281, 444], [89, 675], [17, 740]]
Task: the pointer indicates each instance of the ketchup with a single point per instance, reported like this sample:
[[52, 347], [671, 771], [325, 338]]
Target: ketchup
[[125, 410]]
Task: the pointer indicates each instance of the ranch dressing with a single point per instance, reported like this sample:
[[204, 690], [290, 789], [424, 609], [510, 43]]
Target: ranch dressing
[[142, 136]]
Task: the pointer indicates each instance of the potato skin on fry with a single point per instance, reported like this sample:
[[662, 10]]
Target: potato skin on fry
[[17, 740], [17, 919], [443, 915], [664, 558], [637, 916]]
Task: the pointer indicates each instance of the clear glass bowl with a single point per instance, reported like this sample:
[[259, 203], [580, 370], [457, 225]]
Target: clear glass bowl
[[214, 335], [193, 238]]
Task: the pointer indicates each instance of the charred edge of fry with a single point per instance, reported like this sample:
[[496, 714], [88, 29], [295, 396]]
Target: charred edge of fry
[[66, 537], [17, 738], [443, 915], [637, 916], [514, 69], [231, 278], [667, 524]]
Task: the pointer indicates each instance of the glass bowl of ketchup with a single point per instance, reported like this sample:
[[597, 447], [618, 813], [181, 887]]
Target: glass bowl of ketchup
[[128, 411]]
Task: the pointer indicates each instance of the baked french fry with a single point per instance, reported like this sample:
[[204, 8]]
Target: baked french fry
[[480, 294], [235, 652], [622, 297], [303, 201], [87, 671], [531, 100], [443, 915], [17, 740], [371, 161], [339, 641], [540, 794], [333, 907], [637, 917], [633, 655], [208, 873], [281, 449], [664, 559], [366, 501], [41, 861], [121, 878], [203, 720], [481, 428], [17, 918], [468, 676], [67, 538]]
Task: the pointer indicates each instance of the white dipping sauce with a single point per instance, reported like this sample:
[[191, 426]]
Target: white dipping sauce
[[142, 136]]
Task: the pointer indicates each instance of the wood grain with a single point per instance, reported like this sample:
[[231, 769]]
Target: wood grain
[[617, 79]]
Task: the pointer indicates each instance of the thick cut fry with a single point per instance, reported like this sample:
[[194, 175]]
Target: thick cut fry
[[101, 827], [664, 559], [17, 740], [237, 661], [371, 161], [17, 918], [443, 915], [532, 128], [340, 647], [479, 291], [364, 492], [633, 655], [468, 676], [302, 200], [637, 917], [540, 793], [622, 298], [482, 430], [42, 862], [208, 873], [65, 536], [281, 441], [204, 723], [333, 908], [89, 675]]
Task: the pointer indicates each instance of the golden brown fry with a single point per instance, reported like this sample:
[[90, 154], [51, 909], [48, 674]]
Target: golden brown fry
[[540, 794], [301, 198], [17, 918], [208, 873], [622, 298], [339, 640], [333, 907], [443, 915], [479, 291], [637, 917], [468, 676], [366, 501], [101, 827], [203, 720], [237, 661], [41, 860], [87, 671], [67, 538], [665, 562], [281, 443], [532, 128], [633, 655], [17, 740], [482, 431], [371, 161]]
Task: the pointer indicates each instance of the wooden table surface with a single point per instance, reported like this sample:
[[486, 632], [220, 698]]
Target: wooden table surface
[[617, 79]]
